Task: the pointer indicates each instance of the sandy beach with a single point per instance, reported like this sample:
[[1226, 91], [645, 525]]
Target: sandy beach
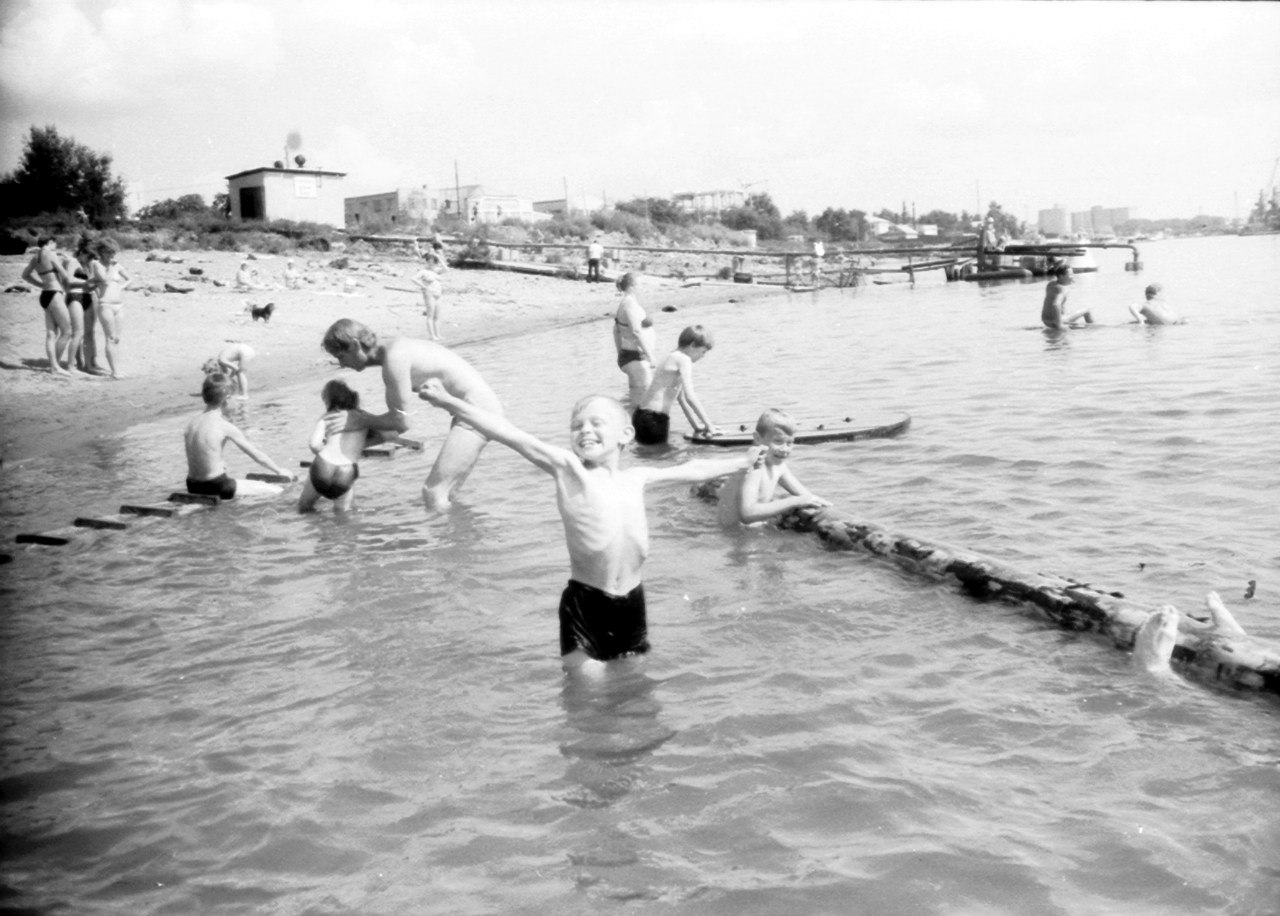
[[167, 336]]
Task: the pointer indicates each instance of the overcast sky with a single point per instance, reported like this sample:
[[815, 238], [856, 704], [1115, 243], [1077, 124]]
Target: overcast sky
[[1170, 108]]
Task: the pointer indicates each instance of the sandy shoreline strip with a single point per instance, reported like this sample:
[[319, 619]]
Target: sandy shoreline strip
[[168, 336]]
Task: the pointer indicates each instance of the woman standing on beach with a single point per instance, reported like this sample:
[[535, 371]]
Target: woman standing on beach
[[80, 301], [428, 280], [633, 338], [110, 282], [45, 270]]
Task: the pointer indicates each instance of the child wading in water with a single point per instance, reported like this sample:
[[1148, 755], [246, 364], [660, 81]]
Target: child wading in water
[[673, 381], [748, 495], [334, 469], [205, 437], [602, 610]]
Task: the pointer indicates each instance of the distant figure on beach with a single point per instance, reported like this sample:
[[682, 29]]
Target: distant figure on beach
[[1154, 310], [46, 272], [748, 496], [819, 252], [205, 437], [406, 365], [292, 277], [233, 362], [428, 280], [602, 610], [673, 382], [595, 253], [80, 299], [633, 338], [109, 282], [335, 467], [247, 278], [1054, 311]]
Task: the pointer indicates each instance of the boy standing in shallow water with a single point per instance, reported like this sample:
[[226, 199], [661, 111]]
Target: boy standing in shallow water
[[748, 495], [602, 610], [205, 437], [673, 381]]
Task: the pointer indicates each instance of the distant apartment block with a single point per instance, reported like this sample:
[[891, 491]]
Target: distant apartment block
[[403, 205], [705, 203], [1099, 220], [1055, 222]]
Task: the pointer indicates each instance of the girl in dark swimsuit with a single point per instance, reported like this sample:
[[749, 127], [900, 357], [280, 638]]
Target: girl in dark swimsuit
[[45, 271]]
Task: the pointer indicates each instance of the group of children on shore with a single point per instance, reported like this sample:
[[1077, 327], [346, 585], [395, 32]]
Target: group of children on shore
[[601, 504]]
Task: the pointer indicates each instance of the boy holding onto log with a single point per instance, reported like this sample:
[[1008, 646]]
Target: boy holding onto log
[[205, 437], [673, 381], [747, 497], [1054, 311], [602, 610]]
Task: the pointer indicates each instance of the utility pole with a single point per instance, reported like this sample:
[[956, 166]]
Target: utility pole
[[457, 186]]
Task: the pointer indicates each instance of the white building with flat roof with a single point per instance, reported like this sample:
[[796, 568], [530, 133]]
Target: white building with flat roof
[[300, 195]]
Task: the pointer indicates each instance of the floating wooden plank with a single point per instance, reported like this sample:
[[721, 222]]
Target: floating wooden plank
[[268, 478], [848, 429], [48, 540], [104, 524], [203, 499], [150, 511], [1241, 661]]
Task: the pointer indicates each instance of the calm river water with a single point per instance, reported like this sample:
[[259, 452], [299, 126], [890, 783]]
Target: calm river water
[[248, 711]]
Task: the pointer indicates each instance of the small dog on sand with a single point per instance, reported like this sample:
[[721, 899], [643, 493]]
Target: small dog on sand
[[260, 311]]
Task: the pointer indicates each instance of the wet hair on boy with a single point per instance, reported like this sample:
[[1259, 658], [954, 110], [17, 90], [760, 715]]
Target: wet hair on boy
[[215, 389], [695, 336], [337, 395], [775, 419]]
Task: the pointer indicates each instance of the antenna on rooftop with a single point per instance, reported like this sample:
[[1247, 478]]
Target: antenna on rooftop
[[292, 141]]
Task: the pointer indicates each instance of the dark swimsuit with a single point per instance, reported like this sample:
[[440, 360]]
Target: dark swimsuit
[[602, 625], [84, 296], [46, 296], [651, 427], [221, 486], [630, 356], [332, 480]]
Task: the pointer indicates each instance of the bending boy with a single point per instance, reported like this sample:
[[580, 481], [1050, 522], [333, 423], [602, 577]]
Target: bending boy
[[602, 610], [233, 362], [748, 495], [406, 365], [205, 437], [673, 381]]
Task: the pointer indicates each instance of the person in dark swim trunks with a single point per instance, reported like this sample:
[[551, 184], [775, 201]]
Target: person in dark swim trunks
[[673, 382], [334, 468], [633, 337], [205, 437], [602, 610]]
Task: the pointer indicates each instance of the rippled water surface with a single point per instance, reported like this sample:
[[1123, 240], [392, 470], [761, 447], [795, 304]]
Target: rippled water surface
[[248, 711]]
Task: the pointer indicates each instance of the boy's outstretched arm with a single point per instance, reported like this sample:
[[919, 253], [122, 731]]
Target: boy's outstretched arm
[[255, 453], [704, 469], [496, 427]]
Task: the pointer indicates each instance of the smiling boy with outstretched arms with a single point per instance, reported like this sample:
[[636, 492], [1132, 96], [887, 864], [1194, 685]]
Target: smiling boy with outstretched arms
[[602, 610]]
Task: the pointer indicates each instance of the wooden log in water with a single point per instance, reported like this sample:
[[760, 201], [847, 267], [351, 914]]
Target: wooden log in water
[[267, 478], [1241, 661], [104, 524], [202, 499]]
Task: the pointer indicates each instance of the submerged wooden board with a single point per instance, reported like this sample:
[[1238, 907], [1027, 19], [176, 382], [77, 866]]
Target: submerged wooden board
[[844, 429]]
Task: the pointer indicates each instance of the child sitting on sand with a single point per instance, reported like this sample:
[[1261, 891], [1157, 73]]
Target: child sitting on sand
[[673, 381], [602, 610], [335, 467], [748, 495], [233, 362], [205, 437]]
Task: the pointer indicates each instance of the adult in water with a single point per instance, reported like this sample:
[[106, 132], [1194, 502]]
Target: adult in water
[[406, 366], [633, 338]]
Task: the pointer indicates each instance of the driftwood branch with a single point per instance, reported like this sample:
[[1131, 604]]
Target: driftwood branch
[[1233, 658]]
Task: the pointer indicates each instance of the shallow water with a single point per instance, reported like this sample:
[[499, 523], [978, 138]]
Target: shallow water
[[251, 711]]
